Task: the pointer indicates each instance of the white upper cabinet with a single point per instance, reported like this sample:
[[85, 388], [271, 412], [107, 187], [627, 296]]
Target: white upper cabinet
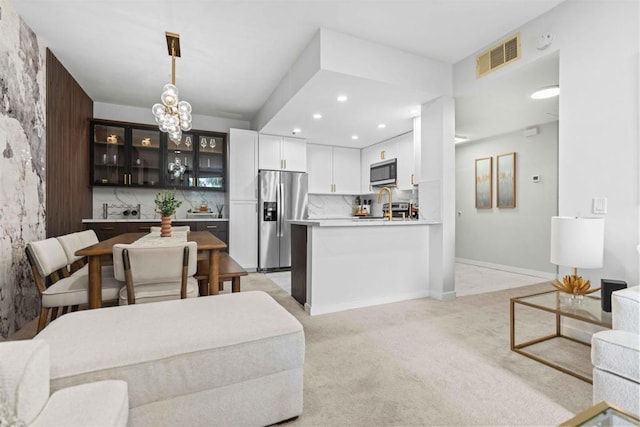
[[294, 154], [319, 159], [269, 152], [346, 170], [406, 164], [369, 155], [282, 153], [243, 164], [400, 148], [333, 170]]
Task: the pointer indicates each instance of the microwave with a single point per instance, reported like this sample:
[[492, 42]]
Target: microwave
[[383, 173]]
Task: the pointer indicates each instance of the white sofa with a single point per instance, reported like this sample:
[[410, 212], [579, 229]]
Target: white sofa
[[233, 359], [24, 393], [615, 354]]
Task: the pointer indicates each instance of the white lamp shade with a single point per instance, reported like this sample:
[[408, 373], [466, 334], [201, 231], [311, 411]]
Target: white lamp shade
[[577, 242]]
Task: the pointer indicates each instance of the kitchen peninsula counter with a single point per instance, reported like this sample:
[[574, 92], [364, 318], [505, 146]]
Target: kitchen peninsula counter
[[358, 222], [344, 263]]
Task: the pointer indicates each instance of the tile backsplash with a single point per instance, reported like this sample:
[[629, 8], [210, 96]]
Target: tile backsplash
[[330, 206], [118, 197]]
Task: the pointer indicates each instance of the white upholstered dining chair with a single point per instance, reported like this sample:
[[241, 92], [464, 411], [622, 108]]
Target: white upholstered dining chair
[[57, 287], [156, 272], [73, 242]]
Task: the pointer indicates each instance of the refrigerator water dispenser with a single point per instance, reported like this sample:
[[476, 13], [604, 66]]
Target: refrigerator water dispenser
[[270, 211]]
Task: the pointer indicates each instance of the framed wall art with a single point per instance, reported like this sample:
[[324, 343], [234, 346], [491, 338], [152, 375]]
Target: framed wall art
[[484, 183], [506, 172]]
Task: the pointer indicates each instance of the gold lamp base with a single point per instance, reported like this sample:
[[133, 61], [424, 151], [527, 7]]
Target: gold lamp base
[[574, 284]]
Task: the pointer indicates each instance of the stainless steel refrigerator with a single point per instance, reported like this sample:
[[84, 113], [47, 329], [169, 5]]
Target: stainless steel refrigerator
[[283, 196]]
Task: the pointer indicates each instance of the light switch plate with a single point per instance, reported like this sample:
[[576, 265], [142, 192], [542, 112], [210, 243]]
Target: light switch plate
[[599, 205]]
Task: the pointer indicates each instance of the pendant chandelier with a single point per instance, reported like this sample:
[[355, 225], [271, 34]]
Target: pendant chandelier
[[173, 116]]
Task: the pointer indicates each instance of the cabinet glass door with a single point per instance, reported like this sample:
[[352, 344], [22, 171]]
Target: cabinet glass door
[[108, 155], [211, 162], [145, 157], [180, 162]]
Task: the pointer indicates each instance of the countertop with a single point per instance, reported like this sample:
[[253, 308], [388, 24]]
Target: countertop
[[360, 222], [152, 220]]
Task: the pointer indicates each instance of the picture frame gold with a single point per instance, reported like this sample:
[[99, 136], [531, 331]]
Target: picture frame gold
[[506, 180], [484, 183]]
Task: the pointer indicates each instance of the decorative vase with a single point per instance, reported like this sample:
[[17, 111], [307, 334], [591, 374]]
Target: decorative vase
[[165, 226]]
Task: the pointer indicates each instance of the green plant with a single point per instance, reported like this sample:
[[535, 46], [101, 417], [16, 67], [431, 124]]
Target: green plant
[[166, 203]]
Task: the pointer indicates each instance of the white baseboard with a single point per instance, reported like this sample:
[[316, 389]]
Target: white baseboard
[[508, 268]]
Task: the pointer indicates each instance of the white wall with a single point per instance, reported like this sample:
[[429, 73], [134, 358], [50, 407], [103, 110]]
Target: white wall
[[598, 43], [515, 239]]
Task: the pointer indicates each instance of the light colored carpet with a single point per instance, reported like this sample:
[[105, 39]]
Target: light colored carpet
[[427, 362]]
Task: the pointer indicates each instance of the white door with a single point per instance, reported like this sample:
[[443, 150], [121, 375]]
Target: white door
[[346, 170], [269, 152], [243, 164], [243, 233], [319, 169]]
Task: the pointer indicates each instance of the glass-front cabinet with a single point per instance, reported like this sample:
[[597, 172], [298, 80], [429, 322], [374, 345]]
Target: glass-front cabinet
[[145, 157], [125, 154], [180, 160], [211, 161], [108, 155]]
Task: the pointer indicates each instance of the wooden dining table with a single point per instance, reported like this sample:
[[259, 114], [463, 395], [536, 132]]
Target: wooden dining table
[[205, 240]]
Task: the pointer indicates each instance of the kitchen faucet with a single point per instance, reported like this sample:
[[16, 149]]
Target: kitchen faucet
[[388, 190]]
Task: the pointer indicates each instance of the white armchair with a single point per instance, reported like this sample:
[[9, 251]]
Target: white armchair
[[615, 354], [24, 392]]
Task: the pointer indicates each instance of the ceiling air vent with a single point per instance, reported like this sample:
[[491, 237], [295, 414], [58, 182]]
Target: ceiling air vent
[[498, 56]]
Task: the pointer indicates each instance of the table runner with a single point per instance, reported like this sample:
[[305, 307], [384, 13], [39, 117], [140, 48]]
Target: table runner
[[154, 239]]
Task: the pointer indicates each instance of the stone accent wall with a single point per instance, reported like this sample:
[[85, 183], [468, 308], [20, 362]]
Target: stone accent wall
[[22, 165]]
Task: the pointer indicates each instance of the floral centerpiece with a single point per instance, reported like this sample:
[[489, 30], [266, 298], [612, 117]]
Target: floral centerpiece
[[166, 205]]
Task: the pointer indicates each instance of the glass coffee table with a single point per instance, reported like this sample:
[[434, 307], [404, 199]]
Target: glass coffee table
[[602, 414], [586, 309]]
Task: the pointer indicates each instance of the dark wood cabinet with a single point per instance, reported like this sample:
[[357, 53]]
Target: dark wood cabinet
[[136, 155], [299, 263], [108, 229], [125, 155]]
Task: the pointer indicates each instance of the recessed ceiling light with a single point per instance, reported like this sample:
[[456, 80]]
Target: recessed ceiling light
[[342, 98], [546, 92], [414, 111], [317, 116], [382, 126], [460, 138], [354, 136], [296, 130]]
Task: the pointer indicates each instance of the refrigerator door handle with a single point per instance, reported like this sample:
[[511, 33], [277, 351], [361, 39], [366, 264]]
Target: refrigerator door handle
[[281, 210]]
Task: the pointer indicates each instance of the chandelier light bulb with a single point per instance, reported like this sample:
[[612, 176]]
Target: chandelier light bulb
[[158, 110], [184, 107]]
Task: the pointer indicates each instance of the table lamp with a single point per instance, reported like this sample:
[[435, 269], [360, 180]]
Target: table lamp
[[576, 243]]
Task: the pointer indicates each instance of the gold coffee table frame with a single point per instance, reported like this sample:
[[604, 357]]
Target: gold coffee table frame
[[588, 310], [602, 413]]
